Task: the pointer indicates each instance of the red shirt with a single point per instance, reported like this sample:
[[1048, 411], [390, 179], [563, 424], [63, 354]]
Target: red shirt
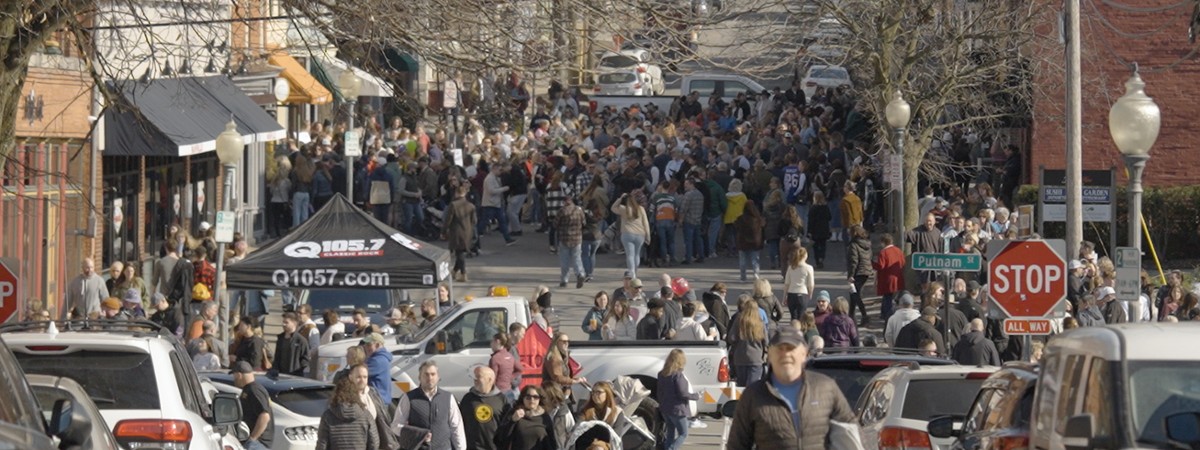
[[889, 271], [207, 274]]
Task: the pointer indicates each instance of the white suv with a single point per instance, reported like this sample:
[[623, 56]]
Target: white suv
[[897, 404], [140, 377]]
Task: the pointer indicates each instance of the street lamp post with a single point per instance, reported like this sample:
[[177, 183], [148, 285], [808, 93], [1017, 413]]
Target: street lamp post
[[349, 84], [898, 114], [1134, 121], [229, 151]]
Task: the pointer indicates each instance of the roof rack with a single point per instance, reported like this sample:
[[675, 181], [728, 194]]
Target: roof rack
[[875, 350], [103, 325]]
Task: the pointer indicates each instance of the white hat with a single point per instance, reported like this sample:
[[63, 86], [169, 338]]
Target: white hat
[[204, 226], [1105, 292], [1075, 264]]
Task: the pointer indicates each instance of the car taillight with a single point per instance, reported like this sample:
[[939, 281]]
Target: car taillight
[[978, 375], [166, 434], [592, 106], [46, 348], [723, 371], [637, 85], [897, 438], [641, 70], [1012, 443]]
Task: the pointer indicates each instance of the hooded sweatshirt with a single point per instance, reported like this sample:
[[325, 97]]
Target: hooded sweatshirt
[[481, 415], [346, 426]]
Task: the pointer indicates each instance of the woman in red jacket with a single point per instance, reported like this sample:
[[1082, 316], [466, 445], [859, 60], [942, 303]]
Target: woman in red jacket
[[889, 275]]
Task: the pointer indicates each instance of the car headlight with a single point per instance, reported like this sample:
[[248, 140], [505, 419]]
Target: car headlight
[[305, 433]]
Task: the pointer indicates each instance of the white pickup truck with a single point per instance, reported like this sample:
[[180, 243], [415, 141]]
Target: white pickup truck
[[460, 339]]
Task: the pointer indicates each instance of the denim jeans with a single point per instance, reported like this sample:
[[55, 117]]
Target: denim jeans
[[750, 258], [714, 231], [486, 214], [382, 212], [588, 252], [254, 445], [666, 239], [633, 251], [535, 206], [300, 205], [887, 307], [802, 211], [745, 375], [676, 431], [569, 258], [773, 252], [514, 212], [412, 216], [693, 242]]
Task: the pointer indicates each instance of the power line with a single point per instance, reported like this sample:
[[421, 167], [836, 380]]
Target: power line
[[1127, 8], [1108, 24]]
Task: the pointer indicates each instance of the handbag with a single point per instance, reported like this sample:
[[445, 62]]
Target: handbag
[[381, 193]]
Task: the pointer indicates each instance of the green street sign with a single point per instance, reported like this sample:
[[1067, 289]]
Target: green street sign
[[957, 262]]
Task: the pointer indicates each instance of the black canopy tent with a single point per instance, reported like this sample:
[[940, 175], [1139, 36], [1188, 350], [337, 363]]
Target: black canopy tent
[[342, 247]]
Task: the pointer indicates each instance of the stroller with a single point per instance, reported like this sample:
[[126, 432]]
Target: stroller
[[638, 424]]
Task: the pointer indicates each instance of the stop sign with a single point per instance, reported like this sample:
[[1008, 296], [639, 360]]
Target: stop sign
[[8, 293], [1027, 278]]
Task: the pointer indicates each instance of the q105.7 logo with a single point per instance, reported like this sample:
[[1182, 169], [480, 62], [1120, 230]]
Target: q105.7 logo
[[342, 248]]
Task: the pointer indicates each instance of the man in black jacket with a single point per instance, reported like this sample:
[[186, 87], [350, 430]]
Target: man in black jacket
[[911, 335], [714, 303], [291, 349], [482, 409], [975, 349]]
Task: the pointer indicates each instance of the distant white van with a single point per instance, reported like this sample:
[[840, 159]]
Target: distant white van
[[1119, 387]]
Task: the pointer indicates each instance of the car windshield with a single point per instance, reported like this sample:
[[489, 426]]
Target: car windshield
[[114, 380], [617, 78], [310, 402], [618, 61], [16, 405], [925, 399], [852, 380], [837, 73], [437, 324], [346, 301], [1158, 389]]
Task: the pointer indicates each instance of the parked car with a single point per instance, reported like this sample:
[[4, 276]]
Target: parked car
[[999, 417], [852, 368], [624, 82], [296, 406], [1133, 385], [895, 409], [638, 60], [137, 373], [828, 77], [92, 432], [22, 425]]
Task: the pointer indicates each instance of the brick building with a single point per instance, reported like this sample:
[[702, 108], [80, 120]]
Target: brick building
[[1170, 66]]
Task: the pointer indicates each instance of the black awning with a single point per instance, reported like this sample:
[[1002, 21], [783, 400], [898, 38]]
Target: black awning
[[181, 116]]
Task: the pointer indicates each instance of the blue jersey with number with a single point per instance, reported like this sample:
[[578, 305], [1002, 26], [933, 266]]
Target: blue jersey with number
[[791, 182]]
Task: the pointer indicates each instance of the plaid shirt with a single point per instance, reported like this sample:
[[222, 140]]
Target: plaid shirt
[[582, 181], [570, 226]]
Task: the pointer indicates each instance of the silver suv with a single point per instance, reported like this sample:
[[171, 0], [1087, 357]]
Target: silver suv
[[137, 373], [21, 424], [895, 409]]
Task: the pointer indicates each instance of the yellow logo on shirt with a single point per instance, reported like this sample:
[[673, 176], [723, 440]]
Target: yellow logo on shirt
[[483, 413]]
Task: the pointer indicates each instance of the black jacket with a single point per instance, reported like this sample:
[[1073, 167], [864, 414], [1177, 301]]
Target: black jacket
[[918, 330], [291, 354], [717, 310], [975, 349]]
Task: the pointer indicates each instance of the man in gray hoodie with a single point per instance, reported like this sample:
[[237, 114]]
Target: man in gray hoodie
[[907, 313]]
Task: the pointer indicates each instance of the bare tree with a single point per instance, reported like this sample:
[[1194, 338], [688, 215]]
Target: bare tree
[[958, 64]]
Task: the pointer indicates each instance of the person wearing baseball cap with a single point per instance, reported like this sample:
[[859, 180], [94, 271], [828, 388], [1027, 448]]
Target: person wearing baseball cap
[[256, 407], [1114, 311], [769, 409]]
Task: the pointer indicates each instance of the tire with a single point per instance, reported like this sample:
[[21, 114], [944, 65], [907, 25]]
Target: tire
[[648, 411]]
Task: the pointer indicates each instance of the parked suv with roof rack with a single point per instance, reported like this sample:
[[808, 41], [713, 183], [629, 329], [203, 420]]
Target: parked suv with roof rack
[[895, 409], [137, 373], [853, 367]]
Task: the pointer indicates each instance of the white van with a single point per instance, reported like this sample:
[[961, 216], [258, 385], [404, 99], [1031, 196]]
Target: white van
[[1119, 387]]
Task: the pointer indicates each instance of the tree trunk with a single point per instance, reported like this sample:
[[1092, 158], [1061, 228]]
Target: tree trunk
[[11, 82]]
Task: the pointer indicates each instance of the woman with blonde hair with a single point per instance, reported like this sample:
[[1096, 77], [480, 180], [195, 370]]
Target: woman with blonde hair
[[799, 281], [635, 229], [674, 392], [747, 341], [767, 300]]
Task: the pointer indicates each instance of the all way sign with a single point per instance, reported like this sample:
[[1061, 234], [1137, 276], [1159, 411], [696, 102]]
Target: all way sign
[[1027, 325]]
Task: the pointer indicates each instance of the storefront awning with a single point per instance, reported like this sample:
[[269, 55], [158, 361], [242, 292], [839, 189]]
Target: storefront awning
[[372, 86], [304, 88], [181, 116]]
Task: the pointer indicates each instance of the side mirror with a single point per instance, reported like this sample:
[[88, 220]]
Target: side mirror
[[1078, 432], [942, 427], [728, 408], [1184, 427], [227, 410], [60, 417]]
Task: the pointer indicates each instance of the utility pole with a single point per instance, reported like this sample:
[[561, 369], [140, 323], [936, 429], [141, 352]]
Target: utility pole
[[1074, 133]]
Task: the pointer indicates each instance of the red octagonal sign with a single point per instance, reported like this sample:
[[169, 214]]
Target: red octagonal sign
[[1027, 278], [8, 293]]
